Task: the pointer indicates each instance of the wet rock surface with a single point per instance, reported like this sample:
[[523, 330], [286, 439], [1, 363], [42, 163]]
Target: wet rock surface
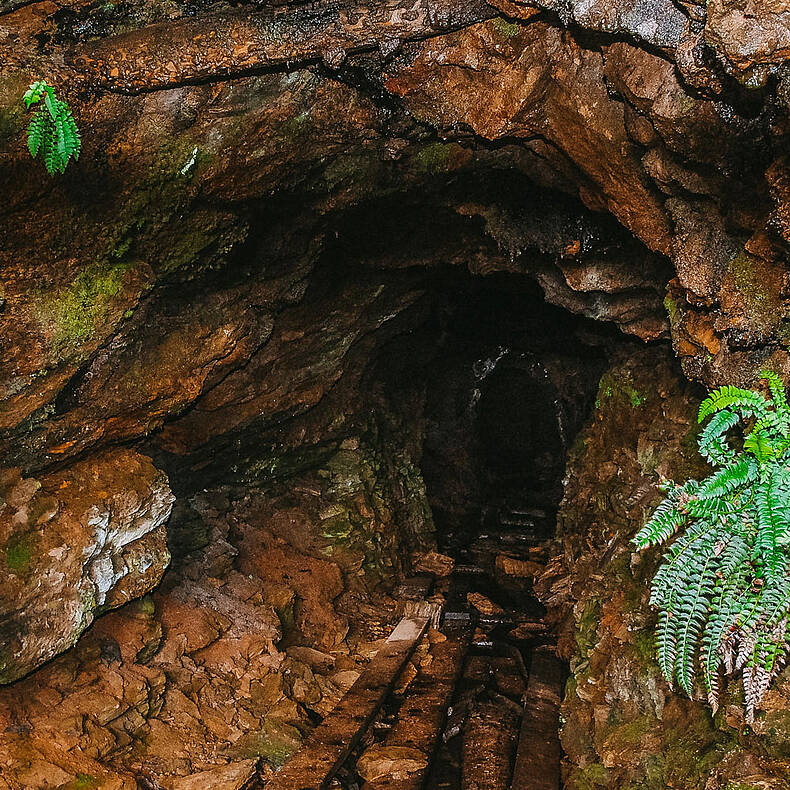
[[622, 724], [76, 544], [196, 681], [270, 204]]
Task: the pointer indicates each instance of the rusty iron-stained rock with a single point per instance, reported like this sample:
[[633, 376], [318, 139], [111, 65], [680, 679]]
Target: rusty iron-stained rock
[[227, 45], [75, 544]]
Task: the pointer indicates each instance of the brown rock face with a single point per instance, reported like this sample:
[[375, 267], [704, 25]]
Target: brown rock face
[[623, 725], [752, 35], [274, 204], [76, 543], [547, 86]]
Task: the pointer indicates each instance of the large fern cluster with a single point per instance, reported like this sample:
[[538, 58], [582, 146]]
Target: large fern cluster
[[723, 588], [53, 131]]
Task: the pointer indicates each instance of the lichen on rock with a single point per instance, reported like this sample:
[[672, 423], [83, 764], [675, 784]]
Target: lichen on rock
[[74, 544]]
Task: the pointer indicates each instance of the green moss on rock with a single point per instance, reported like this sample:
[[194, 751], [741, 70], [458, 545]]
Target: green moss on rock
[[12, 113], [19, 551], [275, 742], [358, 170], [775, 733], [690, 750], [752, 278], [72, 314], [590, 777], [505, 28], [82, 781], [617, 387], [586, 628], [671, 306], [433, 158]]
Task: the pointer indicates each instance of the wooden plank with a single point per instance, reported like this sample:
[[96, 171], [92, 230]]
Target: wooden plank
[[332, 741], [538, 757], [424, 711], [489, 742]]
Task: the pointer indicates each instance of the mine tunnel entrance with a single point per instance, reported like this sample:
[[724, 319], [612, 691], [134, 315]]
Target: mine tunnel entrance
[[473, 389], [498, 384], [516, 382], [383, 404]]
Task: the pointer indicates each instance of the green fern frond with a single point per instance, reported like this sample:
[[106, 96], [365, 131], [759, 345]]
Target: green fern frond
[[723, 589], [666, 645], [731, 596], [773, 524], [759, 444], [778, 394], [712, 444], [710, 508], [775, 601], [52, 132], [692, 613], [670, 591], [727, 480], [670, 577], [667, 518], [746, 402]]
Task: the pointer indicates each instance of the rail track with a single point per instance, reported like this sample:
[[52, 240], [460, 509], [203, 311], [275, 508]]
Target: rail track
[[479, 706]]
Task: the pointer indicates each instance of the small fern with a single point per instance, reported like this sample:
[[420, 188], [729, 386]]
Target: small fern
[[53, 132], [723, 588]]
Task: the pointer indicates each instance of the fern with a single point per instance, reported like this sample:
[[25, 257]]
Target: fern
[[667, 518], [723, 588], [745, 402], [53, 132], [712, 442]]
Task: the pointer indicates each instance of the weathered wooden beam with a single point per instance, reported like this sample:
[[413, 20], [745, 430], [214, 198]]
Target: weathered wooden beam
[[424, 711], [538, 757], [228, 44], [332, 741], [489, 741]]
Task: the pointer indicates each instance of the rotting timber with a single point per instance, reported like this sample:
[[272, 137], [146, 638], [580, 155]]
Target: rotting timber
[[454, 725]]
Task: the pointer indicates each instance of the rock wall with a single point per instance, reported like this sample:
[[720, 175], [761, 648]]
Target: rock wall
[[263, 202], [657, 115], [272, 607], [76, 543], [622, 726]]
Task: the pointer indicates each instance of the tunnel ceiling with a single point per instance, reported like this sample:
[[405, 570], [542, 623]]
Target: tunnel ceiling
[[657, 125]]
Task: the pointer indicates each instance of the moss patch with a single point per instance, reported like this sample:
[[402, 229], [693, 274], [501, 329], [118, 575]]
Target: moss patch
[[73, 313], [689, 753], [12, 112], [589, 778], [19, 553], [587, 628], [618, 387], [752, 278], [775, 736], [12, 121], [673, 311], [275, 742], [82, 782], [433, 158], [356, 527], [504, 28]]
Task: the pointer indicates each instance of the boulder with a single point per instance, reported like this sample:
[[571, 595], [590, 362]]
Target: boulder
[[74, 543]]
